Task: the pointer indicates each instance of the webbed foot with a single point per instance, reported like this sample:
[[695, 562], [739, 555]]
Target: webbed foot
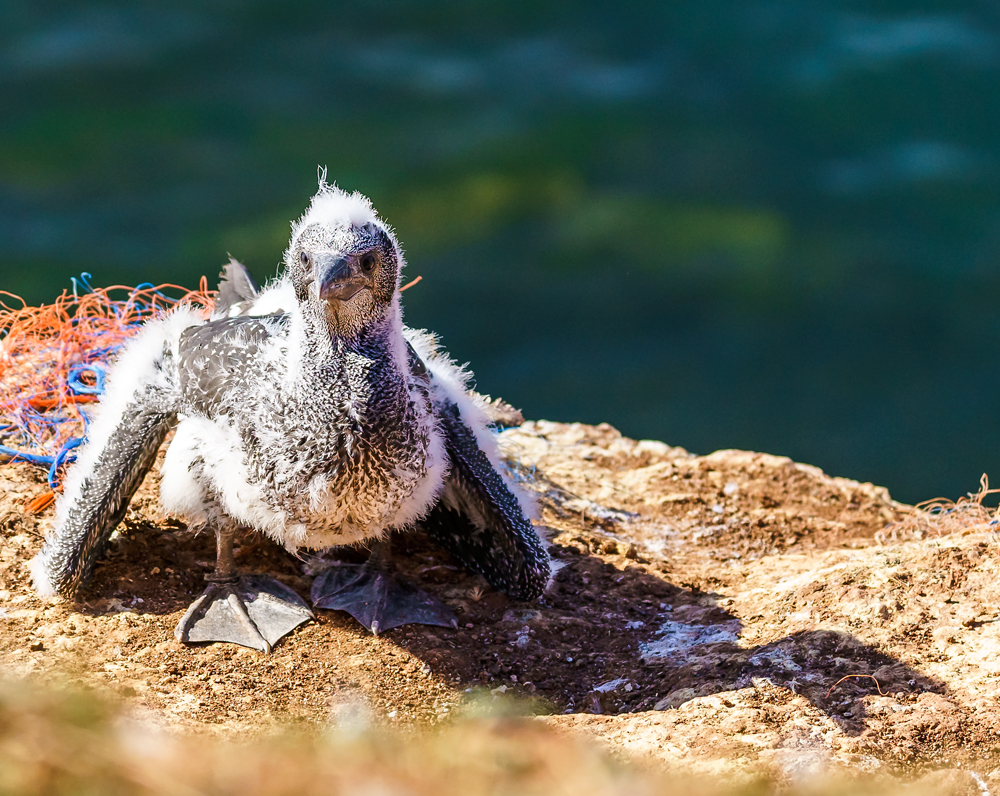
[[251, 610], [371, 594]]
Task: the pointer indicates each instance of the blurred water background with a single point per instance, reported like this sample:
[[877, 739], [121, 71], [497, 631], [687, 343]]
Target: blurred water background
[[768, 225]]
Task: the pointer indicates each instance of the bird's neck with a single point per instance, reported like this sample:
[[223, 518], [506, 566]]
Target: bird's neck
[[324, 334], [370, 364]]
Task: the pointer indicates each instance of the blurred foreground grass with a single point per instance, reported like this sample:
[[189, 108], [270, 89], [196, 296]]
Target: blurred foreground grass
[[61, 740]]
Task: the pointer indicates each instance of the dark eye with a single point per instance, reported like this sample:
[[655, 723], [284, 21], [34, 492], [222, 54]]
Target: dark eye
[[368, 263], [304, 258]]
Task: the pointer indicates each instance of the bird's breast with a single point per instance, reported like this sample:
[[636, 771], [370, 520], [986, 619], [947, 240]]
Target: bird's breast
[[343, 468]]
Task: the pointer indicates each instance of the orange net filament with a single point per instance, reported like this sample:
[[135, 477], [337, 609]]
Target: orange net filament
[[53, 359]]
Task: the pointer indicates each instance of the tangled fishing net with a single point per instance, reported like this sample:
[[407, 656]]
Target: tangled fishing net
[[940, 517], [54, 358]]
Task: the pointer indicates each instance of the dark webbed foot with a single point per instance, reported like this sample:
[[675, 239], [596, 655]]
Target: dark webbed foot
[[371, 594], [251, 610]]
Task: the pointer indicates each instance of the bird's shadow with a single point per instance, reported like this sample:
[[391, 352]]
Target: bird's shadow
[[151, 569], [608, 636]]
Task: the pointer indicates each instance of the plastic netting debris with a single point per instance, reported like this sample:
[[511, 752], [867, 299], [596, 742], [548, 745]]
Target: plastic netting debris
[[940, 516], [54, 360]]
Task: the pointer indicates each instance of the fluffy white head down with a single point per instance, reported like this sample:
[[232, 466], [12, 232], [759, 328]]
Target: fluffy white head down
[[337, 208]]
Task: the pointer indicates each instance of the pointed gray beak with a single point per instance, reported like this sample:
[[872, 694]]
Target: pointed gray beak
[[340, 279]]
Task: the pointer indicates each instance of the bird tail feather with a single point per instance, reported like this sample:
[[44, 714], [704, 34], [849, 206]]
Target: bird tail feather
[[237, 290]]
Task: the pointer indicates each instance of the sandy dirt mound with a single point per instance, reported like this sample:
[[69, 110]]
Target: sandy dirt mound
[[704, 614]]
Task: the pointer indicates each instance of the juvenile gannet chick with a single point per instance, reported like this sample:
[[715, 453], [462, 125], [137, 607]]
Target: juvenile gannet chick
[[308, 412]]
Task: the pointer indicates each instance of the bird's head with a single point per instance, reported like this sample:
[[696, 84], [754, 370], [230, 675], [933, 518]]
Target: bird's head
[[344, 260]]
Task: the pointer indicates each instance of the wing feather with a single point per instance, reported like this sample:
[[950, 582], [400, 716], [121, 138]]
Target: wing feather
[[480, 521]]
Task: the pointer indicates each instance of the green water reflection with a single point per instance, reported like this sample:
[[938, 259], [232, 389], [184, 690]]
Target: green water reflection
[[767, 225]]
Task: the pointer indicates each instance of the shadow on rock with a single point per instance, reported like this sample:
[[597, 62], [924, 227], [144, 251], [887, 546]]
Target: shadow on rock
[[148, 569], [834, 670], [610, 636], [606, 639]]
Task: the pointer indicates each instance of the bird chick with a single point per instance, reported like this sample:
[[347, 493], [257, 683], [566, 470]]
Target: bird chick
[[308, 412]]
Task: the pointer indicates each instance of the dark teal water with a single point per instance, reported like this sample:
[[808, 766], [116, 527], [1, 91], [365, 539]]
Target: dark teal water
[[766, 225]]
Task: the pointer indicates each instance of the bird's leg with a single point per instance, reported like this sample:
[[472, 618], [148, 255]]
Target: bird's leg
[[371, 594], [225, 561], [252, 610]]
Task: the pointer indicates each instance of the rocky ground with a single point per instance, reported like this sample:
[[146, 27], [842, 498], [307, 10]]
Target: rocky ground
[[728, 613]]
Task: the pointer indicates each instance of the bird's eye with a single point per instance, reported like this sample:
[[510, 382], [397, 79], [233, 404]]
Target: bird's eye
[[304, 258], [368, 263]]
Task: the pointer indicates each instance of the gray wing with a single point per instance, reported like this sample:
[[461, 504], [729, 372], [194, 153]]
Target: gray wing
[[109, 470], [480, 521], [112, 465]]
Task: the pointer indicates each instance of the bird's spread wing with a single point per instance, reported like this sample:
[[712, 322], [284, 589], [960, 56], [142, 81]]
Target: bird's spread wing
[[135, 414], [91, 516], [480, 521], [148, 386]]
